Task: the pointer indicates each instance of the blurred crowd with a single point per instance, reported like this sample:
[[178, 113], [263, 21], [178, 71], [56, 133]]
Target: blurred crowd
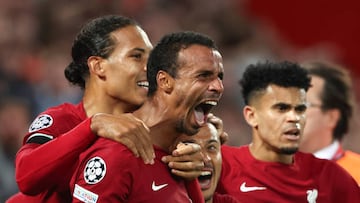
[[36, 38]]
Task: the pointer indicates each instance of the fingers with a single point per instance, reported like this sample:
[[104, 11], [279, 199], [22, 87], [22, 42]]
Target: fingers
[[144, 145], [131, 146], [189, 152], [186, 161], [188, 175], [140, 148], [224, 137], [141, 140], [185, 169], [218, 123], [188, 148], [196, 165], [128, 130]]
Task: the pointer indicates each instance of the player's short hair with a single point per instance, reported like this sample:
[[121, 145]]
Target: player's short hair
[[257, 77], [164, 56]]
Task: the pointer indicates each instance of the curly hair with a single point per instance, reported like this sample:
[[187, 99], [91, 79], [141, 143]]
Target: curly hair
[[257, 77]]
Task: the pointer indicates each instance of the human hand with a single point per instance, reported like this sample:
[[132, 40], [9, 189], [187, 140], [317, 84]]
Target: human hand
[[128, 130], [186, 161], [218, 123]]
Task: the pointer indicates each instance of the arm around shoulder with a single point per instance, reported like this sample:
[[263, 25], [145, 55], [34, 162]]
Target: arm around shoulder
[[36, 164]]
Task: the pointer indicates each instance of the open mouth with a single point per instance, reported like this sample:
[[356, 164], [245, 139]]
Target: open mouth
[[202, 110], [143, 84], [292, 134], [205, 180]]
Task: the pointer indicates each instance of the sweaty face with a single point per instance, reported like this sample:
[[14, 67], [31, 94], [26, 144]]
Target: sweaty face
[[198, 86], [210, 145], [279, 119], [316, 122], [125, 68]]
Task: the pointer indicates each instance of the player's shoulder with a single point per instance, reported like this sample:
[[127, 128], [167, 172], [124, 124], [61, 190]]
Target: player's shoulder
[[235, 156], [230, 151], [323, 166], [308, 158], [62, 114], [111, 150], [54, 121], [64, 110], [111, 158]]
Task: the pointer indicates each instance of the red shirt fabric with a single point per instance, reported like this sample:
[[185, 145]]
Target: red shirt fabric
[[308, 179], [109, 172], [48, 157], [224, 198]]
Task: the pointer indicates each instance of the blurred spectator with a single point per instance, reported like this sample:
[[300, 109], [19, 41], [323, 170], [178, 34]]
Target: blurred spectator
[[330, 109], [54, 86], [14, 121]]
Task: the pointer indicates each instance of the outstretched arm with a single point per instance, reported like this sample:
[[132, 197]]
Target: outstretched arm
[[42, 166], [39, 164]]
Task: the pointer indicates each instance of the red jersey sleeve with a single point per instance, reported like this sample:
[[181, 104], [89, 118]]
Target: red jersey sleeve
[[50, 165]]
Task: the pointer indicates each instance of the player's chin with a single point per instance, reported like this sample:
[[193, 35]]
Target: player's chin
[[289, 150]]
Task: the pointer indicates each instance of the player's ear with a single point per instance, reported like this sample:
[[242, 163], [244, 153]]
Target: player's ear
[[165, 81], [96, 65], [250, 116], [332, 117]]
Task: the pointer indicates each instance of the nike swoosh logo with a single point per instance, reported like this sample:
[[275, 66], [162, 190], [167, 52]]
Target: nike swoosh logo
[[155, 187], [244, 188]]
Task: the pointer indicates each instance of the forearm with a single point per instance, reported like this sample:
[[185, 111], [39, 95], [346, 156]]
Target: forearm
[[38, 166]]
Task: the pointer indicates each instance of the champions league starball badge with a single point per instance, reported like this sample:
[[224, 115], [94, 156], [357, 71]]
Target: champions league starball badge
[[41, 122], [95, 170]]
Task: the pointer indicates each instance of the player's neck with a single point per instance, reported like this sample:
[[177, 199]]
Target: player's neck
[[164, 136], [161, 121], [262, 153], [94, 105]]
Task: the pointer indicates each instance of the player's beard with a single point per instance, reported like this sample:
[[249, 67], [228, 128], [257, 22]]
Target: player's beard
[[288, 150]]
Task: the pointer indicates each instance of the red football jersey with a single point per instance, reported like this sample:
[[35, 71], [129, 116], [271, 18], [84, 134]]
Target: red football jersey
[[109, 172], [307, 180], [224, 198], [47, 160]]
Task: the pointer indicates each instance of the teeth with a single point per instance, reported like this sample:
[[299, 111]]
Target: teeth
[[205, 173], [212, 103], [143, 83]]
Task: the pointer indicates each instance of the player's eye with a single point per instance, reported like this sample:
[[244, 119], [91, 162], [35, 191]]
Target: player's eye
[[300, 109], [282, 107], [212, 148], [136, 56]]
